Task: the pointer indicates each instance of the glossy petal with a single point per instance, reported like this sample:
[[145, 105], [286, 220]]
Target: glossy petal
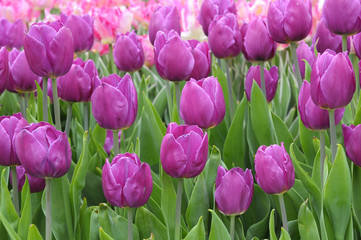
[[59, 157], [112, 190]]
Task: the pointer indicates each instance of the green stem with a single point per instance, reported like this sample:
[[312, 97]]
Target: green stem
[[263, 82], [115, 142], [86, 116], [169, 99], [111, 59], [56, 104], [68, 118], [233, 217], [230, 91], [331, 114], [344, 43], [177, 226], [22, 104], [178, 96], [48, 209], [26, 96], [297, 67], [45, 99], [219, 63], [322, 154], [42, 14], [15, 188], [283, 212], [130, 223]]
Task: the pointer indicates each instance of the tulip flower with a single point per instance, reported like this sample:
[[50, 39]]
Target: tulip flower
[[108, 144], [36, 184], [244, 29], [173, 57], [49, 49], [184, 151], [202, 103], [332, 80], [224, 36], [304, 52], [115, 103], [9, 128], [148, 51], [126, 181], [212, 8], [128, 52], [202, 59], [271, 81], [234, 190], [357, 44], [81, 28], [352, 138], [4, 68], [12, 34], [43, 151], [258, 44], [289, 20], [164, 19]]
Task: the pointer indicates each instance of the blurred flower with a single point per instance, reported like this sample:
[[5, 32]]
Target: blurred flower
[[304, 52], [108, 144], [36, 184], [41, 4], [357, 44], [352, 138], [12, 34], [148, 50], [4, 68], [202, 59]]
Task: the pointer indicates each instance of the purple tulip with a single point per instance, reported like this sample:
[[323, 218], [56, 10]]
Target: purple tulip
[[49, 49], [184, 151], [352, 138], [164, 19], [234, 190], [312, 116], [270, 77], [79, 83], [211, 8], [258, 44], [357, 44], [202, 103], [36, 184], [115, 103], [244, 29], [108, 144], [289, 20], [126, 181], [4, 68], [224, 36], [324, 39], [12, 34], [202, 59], [173, 57], [9, 128], [274, 169], [43, 151], [332, 80], [128, 52], [304, 52], [81, 28], [342, 17]]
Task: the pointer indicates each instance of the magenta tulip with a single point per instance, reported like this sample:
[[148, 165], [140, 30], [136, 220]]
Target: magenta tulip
[[304, 52], [352, 138], [12, 34], [202, 59], [4, 68], [36, 184], [357, 44]]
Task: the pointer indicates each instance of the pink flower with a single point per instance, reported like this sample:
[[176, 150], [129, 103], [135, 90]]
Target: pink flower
[[148, 50]]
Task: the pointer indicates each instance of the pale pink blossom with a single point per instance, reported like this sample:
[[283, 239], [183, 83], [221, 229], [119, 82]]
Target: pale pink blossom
[[148, 50]]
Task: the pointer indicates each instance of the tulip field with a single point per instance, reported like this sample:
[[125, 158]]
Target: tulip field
[[170, 120]]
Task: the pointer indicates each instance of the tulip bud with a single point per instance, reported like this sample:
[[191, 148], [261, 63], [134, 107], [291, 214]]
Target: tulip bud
[[115, 103], [108, 144], [234, 190], [49, 49], [164, 19], [12, 34], [43, 151], [274, 169], [9, 128], [289, 20], [36, 184], [202, 103], [81, 28], [128, 53], [270, 77], [304, 52], [4, 68], [352, 138], [312, 116], [202, 59], [173, 57], [224, 36], [258, 44], [332, 80], [126, 181], [78, 84], [212, 8], [184, 151]]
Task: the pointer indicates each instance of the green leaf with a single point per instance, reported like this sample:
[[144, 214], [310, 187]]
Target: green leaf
[[148, 224], [168, 202], [218, 229], [283, 134], [103, 235], [284, 235], [210, 171], [94, 225], [39, 93], [7, 208], [34, 233], [26, 215], [10, 230], [271, 226], [306, 138], [197, 232], [356, 193], [307, 225]]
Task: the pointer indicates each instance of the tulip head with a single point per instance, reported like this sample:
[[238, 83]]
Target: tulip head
[[36, 184], [184, 151], [126, 181], [4, 68], [12, 34], [304, 52], [357, 44], [202, 59], [352, 138]]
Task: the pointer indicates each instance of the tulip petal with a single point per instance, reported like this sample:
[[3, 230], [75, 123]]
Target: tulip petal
[[276, 23], [59, 157], [220, 173], [112, 190], [5, 147], [196, 166], [36, 55], [128, 90], [298, 19], [214, 91]]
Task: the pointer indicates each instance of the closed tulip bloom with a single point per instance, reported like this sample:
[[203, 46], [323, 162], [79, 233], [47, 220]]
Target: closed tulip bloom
[[184, 151], [312, 116], [79, 83], [270, 77], [173, 57], [244, 29], [257, 42], [43, 151], [289, 20], [4, 68], [115, 103], [352, 138], [274, 169], [224, 36], [49, 49], [357, 44], [126, 181], [108, 144], [211, 8], [202, 59], [342, 17], [128, 52], [164, 19], [9, 128], [36, 184], [12, 34], [332, 80], [304, 52], [81, 28], [234, 190]]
